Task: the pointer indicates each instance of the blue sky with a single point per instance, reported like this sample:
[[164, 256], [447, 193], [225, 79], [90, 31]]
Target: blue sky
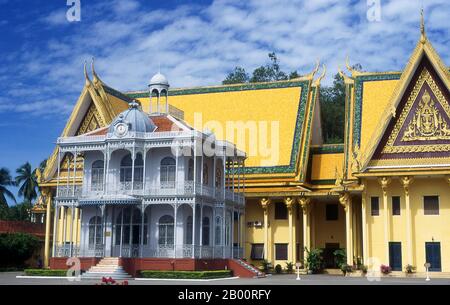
[[195, 42]]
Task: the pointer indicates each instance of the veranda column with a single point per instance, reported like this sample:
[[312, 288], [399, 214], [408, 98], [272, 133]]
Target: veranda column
[[55, 228], [365, 240], [306, 208], [290, 206], [72, 218], [47, 197], [175, 227], [64, 224], [346, 202], [194, 207], [406, 182], [141, 242], [133, 160], [265, 205], [201, 228], [384, 182]]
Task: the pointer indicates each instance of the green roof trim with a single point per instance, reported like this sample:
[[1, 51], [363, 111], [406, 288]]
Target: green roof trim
[[219, 89], [323, 182], [117, 94]]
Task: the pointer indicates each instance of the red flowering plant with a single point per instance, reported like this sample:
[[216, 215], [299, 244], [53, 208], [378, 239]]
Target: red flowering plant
[[111, 281], [385, 269]]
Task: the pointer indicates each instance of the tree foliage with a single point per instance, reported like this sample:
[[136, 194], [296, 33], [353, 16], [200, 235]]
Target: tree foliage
[[26, 180], [5, 181], [16, 248]]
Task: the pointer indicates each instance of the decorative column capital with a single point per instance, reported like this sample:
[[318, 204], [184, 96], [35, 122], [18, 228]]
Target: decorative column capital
[[406, 181], [384, 182], [265, 202], [304, 203], [289, 201], [447, 178], [344, 200]]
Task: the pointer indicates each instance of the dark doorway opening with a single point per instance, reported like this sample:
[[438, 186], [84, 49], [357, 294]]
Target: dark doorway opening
[[329, 258]]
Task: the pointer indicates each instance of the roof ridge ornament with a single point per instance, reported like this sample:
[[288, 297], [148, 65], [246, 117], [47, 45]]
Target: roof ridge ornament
[[319, 79], [94, 74], [86, 75], [352, 70], [423, 34]]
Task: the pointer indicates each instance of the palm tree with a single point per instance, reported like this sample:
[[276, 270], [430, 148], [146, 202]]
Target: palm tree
[[5, 181], [26, 179]]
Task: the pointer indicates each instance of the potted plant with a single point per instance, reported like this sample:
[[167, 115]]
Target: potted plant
[[346, 269], [385, 269], [314, 260], [278, 269], [289, 267], [410, 270], [340, 257]]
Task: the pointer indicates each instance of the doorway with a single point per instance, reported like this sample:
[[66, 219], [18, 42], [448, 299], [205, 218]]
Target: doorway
[[329, 258]]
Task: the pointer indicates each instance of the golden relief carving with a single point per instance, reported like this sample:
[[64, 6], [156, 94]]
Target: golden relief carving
[[425, 77], [427, 123], [92, 121]]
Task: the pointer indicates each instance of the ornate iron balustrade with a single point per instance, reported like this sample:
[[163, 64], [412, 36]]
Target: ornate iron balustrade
[[69, 191]]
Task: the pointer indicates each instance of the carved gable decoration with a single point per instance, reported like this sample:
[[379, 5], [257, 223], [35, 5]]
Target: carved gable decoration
[[421, 126], [92, 121]]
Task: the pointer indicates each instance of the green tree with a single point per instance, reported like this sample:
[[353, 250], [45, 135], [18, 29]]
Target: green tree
[[26, 180], [332, 102], [5, 181], [237, 76], [270, 72]]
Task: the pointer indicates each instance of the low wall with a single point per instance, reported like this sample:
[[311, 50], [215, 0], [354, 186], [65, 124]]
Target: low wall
[[85, 262]]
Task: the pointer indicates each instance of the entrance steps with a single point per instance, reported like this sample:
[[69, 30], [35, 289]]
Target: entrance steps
[[107, 267], [257, 273]]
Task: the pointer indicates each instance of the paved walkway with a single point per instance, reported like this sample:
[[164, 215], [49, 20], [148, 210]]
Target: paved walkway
[[10, 278]]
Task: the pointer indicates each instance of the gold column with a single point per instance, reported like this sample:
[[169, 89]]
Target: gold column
[[384, 182], [305, 205], [406, 182], [48, 198], [346, 201], [365, 240], [265, 205], [290, 206]]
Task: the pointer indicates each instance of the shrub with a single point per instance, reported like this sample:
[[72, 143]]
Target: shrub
[[278, 269], [410, 269], [16, 248], [265, 266], [314, 260], [289, 267], [45, 272], [341, 257], [185, 274], [346, 269], [385, 269], [363, 268]]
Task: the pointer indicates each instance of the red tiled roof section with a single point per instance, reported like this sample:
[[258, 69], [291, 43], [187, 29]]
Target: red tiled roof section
[[164, 124], [99, 132]]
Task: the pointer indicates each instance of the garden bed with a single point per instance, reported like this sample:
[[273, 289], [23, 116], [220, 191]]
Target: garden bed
[[45, 272], [185, 274]]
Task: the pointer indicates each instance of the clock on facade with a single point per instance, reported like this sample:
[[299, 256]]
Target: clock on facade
[[121, 129]]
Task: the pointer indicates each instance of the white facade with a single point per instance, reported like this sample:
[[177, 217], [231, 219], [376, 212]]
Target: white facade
[[192, 199]]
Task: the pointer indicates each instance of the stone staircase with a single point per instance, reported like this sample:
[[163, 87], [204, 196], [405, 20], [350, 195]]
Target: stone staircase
[[107, 267], [257, 273]]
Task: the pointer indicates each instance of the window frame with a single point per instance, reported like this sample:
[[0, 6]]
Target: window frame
[[438, 205], [399, 206], [276, 215], [286, 255], [372, 204]]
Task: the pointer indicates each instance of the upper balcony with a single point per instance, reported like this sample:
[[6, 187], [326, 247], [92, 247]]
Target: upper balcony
[[136, 189]]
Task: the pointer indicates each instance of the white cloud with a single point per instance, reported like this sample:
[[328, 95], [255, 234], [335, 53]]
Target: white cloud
[[198, 45]]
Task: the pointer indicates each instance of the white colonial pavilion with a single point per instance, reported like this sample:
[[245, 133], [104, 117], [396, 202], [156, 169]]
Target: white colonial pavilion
[[149, 189]]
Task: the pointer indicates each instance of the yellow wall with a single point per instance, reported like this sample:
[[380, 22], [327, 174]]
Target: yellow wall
[[327, 231], [425, 228], [324, 166]]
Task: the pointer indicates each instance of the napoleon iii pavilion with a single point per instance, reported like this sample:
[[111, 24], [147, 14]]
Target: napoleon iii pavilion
[[151, 186]]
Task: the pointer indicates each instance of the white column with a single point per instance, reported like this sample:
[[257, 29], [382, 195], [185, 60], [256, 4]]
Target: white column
[[74, 173], [133, 158], [141, 250], [55, 228], [201, 228], [121, 232], [144, 171], [175, 230], [71, 229], [194, 207], [224, 215]]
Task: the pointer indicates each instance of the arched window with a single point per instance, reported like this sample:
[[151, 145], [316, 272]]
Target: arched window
[[188, 230], [138, 171], [165, 230], [218, 231], [205, 174], [218, 176], [126, 171], [191, 170], [205, 231], [95, 232], [167, 173], [97, 174]]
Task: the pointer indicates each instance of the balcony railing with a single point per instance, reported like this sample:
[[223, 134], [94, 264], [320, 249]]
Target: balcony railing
[[186, 188]]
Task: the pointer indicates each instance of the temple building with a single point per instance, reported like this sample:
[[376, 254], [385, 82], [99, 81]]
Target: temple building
[[114, 188]]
